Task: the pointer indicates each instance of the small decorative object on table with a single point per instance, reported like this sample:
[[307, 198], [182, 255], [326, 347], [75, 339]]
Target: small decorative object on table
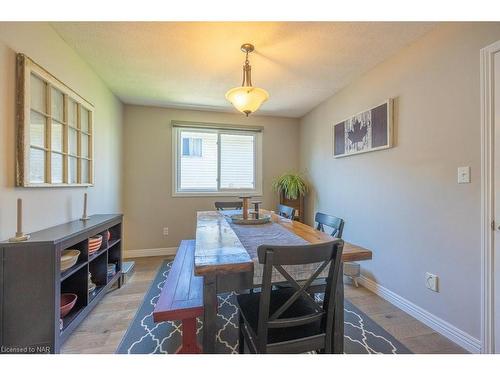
[[250, 218], [246, 203], [256, 205], [20, 236]]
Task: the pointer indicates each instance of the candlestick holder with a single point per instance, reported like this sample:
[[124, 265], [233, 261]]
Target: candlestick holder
[[246, 204], [85, 217], [20, 236]]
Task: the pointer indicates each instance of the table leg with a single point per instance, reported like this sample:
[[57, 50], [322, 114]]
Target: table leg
[[338, 324], [210, 313]]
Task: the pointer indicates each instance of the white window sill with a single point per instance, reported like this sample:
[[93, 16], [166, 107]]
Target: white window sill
[[231, 194]]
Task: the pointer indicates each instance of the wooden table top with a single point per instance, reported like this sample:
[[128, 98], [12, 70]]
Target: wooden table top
[[218, 249]]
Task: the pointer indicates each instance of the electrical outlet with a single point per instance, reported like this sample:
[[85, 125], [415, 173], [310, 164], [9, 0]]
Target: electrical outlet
[[165, 231], [431, 281]]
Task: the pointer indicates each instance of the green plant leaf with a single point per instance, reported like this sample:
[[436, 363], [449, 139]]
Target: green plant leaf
[[292, 185]]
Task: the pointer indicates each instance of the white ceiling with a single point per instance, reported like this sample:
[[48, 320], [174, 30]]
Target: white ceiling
[[193, 64]]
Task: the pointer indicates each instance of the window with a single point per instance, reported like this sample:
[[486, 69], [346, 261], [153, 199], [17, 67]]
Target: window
[[216, 161], [192, 147], [55, 126]]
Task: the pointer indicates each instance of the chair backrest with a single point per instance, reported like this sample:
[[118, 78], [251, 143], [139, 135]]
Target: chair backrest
[[275, 257], [238, 205], [285, 211], [336, 223]]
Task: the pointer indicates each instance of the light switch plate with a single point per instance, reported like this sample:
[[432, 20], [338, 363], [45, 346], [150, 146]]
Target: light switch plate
[[463, 175]]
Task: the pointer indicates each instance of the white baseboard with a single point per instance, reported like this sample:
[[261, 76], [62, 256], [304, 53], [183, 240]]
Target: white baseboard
[[448, 330], [138, 253]]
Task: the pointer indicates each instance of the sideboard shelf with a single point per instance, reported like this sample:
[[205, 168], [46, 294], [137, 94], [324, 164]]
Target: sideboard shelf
[[72, 270], [31, 282]]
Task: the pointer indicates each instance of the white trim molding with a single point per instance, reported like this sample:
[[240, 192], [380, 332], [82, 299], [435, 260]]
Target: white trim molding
[[487, 195], [139, 253], [448, 330]]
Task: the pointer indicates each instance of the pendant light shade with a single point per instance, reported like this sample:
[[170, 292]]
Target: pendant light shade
[[246, 98]]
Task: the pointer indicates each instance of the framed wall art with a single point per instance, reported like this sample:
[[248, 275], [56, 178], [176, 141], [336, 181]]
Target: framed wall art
[[367, 131], [54, 130]]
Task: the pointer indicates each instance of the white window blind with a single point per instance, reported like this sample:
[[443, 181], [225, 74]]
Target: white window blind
[[199, 173], [216, 161], [237, 161]]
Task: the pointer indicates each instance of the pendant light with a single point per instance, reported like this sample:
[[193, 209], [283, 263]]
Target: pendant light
[[246, 98]]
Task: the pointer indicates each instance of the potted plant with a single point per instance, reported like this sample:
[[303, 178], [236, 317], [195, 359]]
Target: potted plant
[[292, 188]]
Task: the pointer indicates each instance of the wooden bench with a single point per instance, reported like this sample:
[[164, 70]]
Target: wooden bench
[[182, 297]]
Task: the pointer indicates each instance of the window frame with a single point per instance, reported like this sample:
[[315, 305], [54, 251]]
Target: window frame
[[218, 129], [24, 70]]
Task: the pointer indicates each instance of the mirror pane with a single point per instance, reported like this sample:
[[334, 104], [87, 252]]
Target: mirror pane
[[84, 119], [37, 129], [85, 146], [85, 171], [38, 94], [37, 165], [72, 141], [72, 113], [72, 173], [57, 136], [56, 168], [57, 104]]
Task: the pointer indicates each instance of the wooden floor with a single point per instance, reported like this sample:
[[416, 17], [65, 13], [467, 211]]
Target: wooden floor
[[102, 330]]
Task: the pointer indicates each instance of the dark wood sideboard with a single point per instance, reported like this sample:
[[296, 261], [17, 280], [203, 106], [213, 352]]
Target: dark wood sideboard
[[31, 282]]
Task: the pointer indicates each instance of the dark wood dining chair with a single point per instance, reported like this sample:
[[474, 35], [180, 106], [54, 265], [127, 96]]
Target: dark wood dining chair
[[228, 205], [351, 269], [336, 223], [289, 320], [286, 212]]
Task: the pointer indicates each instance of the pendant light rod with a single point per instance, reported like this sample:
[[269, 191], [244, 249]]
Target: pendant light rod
[[247, 69]]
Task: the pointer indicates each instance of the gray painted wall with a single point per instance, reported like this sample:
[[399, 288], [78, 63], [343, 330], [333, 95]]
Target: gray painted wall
[[148, 202], [45, 207], [404, 203]]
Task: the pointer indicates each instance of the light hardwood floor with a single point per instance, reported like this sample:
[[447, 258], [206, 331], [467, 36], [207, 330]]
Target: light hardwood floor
[[103, 329]]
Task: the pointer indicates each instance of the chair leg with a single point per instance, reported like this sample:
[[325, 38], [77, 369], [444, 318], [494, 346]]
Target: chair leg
[[241, 342]]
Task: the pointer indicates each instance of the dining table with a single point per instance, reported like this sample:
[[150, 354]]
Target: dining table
[[226, 257]]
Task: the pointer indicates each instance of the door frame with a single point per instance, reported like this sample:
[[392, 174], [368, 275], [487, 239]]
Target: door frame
[[487, 195]]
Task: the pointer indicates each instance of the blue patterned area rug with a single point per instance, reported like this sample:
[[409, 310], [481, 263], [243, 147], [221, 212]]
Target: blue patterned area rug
[[362, 335]]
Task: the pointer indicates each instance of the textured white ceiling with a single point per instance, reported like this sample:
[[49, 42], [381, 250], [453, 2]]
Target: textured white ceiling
[[193, 64]]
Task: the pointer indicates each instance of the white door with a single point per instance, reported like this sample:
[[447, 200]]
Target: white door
[[496, 254]]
